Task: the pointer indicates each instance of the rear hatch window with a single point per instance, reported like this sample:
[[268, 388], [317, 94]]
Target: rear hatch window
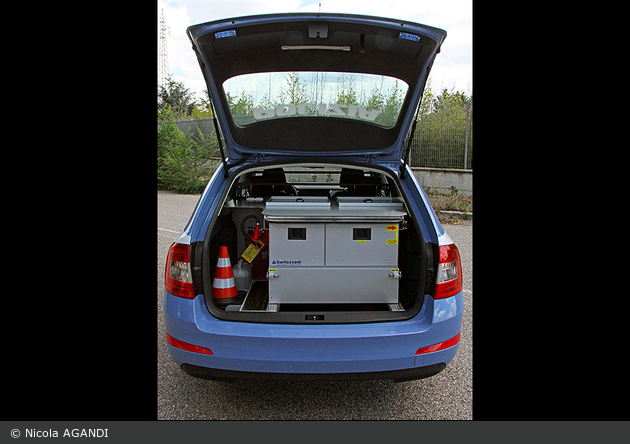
[[267, 96]]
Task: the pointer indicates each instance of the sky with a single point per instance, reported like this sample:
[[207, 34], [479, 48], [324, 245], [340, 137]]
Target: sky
[[452, 68]]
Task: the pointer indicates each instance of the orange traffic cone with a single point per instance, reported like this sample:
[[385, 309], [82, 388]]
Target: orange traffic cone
[[223, 286]]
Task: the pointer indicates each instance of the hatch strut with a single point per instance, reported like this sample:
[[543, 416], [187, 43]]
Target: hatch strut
[[407, 153], [216, 131]]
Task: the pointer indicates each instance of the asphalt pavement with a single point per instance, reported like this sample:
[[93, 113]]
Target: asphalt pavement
[[448, 395]]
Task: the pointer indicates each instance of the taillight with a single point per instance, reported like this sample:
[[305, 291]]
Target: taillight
[[178, 276], [449, 276]]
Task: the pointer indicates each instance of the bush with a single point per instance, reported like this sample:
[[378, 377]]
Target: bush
[[184, 164]]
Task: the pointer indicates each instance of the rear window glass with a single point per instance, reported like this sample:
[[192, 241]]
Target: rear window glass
[[276, 95]]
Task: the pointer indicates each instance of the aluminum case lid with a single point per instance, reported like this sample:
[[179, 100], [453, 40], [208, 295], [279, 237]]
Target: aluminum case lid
[[340, 209]]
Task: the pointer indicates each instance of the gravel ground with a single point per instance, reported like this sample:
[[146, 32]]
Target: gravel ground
[[447, 395]]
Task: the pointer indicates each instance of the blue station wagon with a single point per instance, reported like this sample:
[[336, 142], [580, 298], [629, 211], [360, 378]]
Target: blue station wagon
[[314, 253]]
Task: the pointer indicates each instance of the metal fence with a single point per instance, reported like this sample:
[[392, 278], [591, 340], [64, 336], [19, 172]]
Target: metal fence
[[443, 139], [192, 126]]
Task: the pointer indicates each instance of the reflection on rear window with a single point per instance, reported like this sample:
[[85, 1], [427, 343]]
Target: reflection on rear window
[[366, 97]]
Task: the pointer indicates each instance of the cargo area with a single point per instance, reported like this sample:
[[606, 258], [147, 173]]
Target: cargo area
[[316, 243]]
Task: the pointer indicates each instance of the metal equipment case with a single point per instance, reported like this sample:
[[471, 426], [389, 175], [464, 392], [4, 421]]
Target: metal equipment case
[[341, 250]]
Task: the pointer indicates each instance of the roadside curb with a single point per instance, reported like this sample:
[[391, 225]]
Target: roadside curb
[[455, 214]]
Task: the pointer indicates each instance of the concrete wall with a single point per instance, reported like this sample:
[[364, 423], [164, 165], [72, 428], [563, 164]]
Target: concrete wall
[[440, 180]]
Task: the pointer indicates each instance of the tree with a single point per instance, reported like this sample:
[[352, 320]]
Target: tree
[[387, 99], [393, 103], [296, 92], [184, 162], [346, 94], [177, 96], [379, 92], [453, 99], [426, 104], [241, 105], [318, 87]]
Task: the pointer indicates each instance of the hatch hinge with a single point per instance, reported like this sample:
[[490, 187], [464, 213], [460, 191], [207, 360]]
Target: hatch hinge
[[369, 158]]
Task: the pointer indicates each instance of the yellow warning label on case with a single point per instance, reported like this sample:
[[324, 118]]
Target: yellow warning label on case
[[393, 228], [251, 251]]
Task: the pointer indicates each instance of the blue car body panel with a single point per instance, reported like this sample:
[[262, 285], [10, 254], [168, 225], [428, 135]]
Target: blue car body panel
[[284, 348]]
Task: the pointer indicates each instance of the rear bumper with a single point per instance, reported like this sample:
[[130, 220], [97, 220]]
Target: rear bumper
[[312, 352], [396, 375]]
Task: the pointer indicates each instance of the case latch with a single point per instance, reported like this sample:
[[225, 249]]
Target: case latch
[[395, 274], [272, 274]]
